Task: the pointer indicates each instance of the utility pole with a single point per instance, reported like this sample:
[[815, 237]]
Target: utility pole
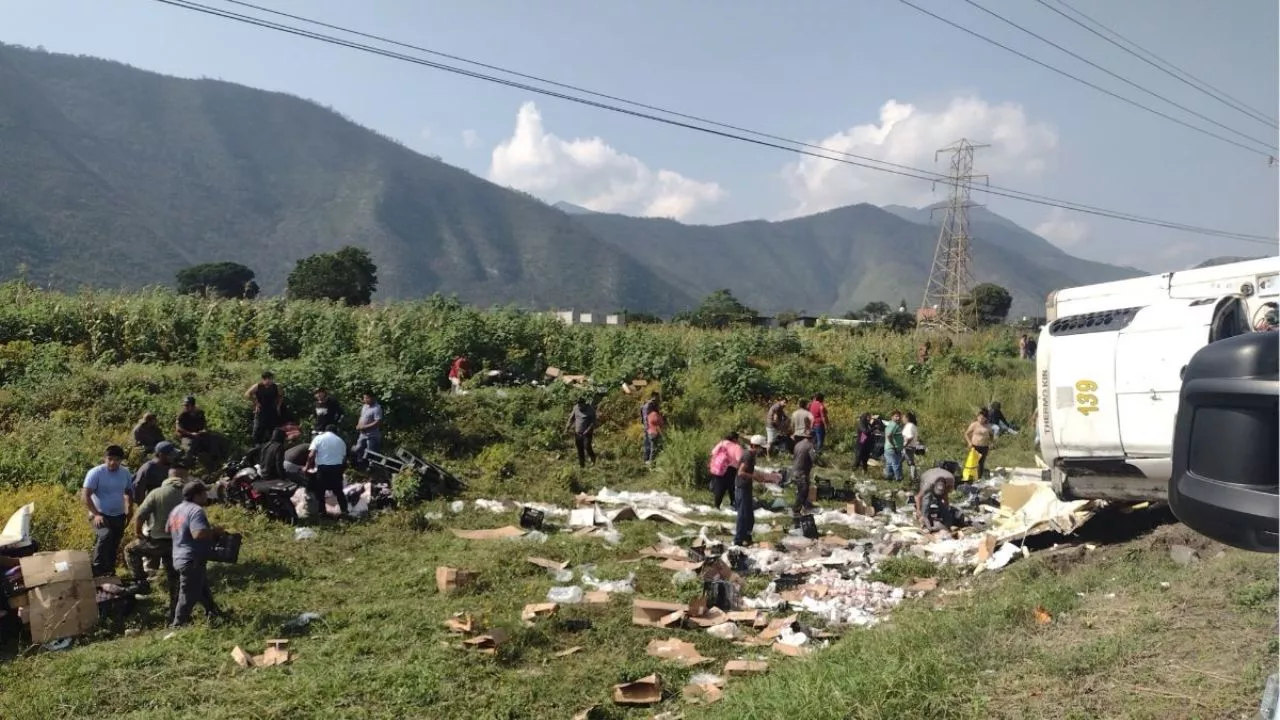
[[950, 280]]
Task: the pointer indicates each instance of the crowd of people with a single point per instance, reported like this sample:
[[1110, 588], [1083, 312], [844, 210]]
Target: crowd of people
[[164, 506]]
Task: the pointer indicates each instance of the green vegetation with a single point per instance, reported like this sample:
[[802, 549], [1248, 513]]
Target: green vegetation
[[347, 276], [988, 304], [76, 371], [222, 279]]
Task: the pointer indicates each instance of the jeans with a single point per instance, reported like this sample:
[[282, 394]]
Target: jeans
[[329, 478], [106, 544], [263, 425], [652, 444], [819, 436], [746, 515], [366, 444], [892, 464], [583, 443], [722, 485], [193, 587]]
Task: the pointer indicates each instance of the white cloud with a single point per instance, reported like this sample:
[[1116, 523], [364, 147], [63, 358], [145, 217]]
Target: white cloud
[[910, 136], [470, 138], [590, 173], [1062, 229]]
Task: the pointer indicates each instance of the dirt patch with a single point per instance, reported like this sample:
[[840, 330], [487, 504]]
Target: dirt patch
[[1166, 537]]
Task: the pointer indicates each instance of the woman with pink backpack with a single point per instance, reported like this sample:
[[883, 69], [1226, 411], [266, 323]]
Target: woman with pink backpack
[[723, 465]]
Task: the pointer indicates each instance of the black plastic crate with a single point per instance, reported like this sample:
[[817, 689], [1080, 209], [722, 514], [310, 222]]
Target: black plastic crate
[[226, 549], [531, 518]]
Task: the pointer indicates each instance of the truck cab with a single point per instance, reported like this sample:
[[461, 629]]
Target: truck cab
[[1108, 385]]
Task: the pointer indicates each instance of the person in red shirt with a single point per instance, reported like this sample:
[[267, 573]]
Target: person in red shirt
[[818, 409], [459, 372], [654, 422]]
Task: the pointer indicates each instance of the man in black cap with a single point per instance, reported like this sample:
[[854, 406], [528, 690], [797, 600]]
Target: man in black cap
[[154, 471], [192, 536], [107, 493], [153, 541]]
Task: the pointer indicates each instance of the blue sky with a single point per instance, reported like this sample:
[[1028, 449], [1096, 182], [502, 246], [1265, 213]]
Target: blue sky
[[872, 77]]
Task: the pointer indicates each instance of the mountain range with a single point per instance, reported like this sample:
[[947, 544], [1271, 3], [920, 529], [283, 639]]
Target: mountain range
[[118, 177]]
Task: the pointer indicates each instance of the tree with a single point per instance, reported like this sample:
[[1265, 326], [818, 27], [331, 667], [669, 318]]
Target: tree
[[347, 276], [220, 279], [641, 318], [719, 309], [987, 304], [874, 310], [900, 322]]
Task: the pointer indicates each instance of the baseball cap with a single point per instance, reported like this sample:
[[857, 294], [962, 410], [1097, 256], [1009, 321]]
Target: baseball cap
[[757, 440], [164, 447], [189, 400]]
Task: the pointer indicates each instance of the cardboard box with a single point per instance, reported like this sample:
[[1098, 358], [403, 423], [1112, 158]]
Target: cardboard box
[[738, 668], [61, 597], [449, 579], [653, 613], [645, 691]]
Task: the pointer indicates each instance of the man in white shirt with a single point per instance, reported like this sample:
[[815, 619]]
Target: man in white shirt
[[328, 457]]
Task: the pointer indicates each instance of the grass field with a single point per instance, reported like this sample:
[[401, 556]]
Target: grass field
[[75, 372], [1119, 645]]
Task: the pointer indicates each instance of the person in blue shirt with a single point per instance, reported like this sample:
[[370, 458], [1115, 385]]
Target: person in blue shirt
[[107, 493]]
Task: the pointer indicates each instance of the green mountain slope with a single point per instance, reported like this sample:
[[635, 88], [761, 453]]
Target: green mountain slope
[[840, 260], [113, 176]]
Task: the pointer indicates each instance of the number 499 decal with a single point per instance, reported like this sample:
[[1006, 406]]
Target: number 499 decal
[[1086, 397]]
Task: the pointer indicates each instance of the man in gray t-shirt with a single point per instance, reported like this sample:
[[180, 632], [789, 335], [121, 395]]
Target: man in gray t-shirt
[[801, 468], [582, 421], [370, 427], [192, 536]]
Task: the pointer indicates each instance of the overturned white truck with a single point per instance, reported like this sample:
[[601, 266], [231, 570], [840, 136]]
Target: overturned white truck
[[1109, 368]]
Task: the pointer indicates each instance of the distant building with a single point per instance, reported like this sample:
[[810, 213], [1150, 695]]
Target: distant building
[[573, 317]]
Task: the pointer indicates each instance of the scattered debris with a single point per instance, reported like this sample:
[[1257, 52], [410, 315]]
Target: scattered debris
[[677, 650], [1183, 555], [304, 533], [502, 533], [569, 651], [534, 611], [487, 644], [726, 631], [548, 564], [301, 622], [460, 623], [1042, 616], [275, 654], [654, 613], [565, 595], [738, 668], [923, 585], [645, 691], [702, 694], [449, 579]]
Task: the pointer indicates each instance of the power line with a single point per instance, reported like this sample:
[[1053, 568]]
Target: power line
[[1163, 65], [907, 172], [1122, 79], [1082, 81]]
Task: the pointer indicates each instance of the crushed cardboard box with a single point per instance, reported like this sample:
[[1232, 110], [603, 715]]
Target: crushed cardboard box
[[487, 644], [569, 651], [680, 565], [739, 668], [645, 691], [449, 579], [776, 627], [704, 694], [678, 650], [275, 654], [460, 623], [502, 533], [548, 564], [653, 613], [790, 650], [665, 552], [923, 585], [596, 597], [535, 611]]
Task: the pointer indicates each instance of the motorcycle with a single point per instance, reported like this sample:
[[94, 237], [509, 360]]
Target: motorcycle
[[242, 484]]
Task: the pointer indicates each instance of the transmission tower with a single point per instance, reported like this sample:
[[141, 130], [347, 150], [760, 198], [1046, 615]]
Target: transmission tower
[[949, 279]]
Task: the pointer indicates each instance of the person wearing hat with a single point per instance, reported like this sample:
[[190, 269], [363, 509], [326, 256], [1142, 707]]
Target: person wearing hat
[[192, 536], [743, 491], [152, 536], [268, 407], [192, 428], [154, 471], [107, 493], [582, 421]]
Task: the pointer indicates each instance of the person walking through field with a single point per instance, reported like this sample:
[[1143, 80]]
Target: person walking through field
[[268, 406], [648, 407], [107, 493], [818, 431], [893, 447], [978, 436], [192, 536], [582, 422], [863, 442], [723, 466], [458, 371], [911, 445], [806, 455], [775, 425], [743, 484], [655, 424], [801, 422]]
